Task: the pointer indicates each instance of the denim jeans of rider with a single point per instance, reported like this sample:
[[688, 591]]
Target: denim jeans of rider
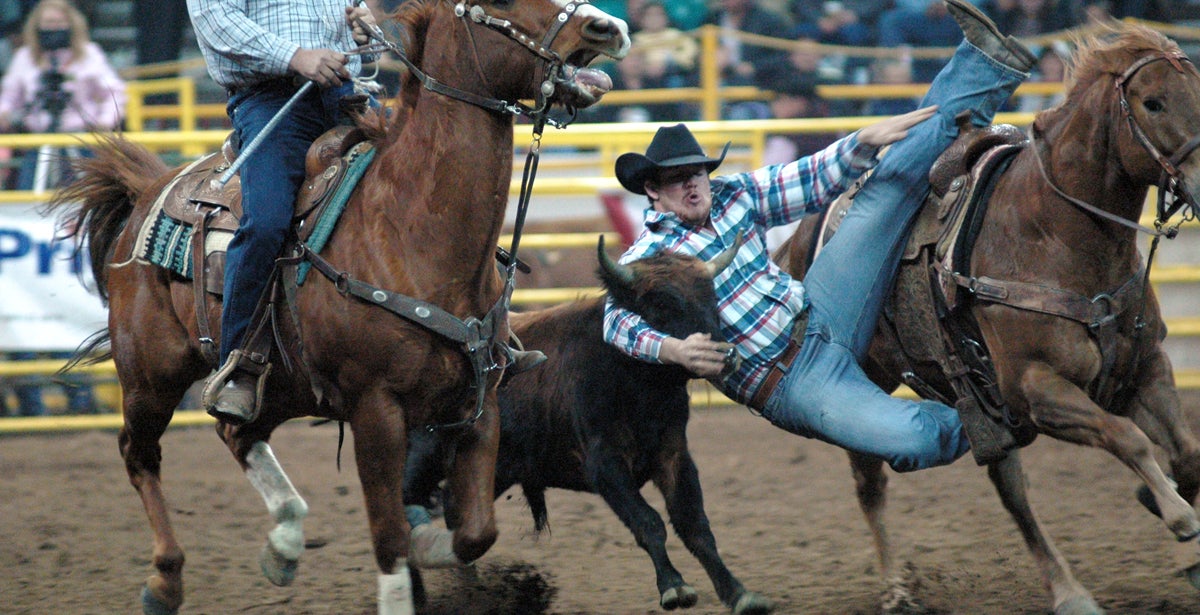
[[826, 394], [271, 179]]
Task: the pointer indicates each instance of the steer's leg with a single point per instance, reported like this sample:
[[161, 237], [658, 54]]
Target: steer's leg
[[679, 482], [610, 476]]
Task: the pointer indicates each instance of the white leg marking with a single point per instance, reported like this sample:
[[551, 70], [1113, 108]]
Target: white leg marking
[[283, 501], [395, 591]]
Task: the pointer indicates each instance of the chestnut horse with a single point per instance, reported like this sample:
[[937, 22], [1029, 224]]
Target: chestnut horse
[[423, 224], [1060, 227]]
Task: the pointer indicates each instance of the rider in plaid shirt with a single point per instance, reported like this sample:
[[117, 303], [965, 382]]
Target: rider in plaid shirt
[[817, 388]]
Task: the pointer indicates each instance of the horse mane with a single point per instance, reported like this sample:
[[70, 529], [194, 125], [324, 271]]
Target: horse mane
[[1110, 50], [1100, 55], [407, 25]]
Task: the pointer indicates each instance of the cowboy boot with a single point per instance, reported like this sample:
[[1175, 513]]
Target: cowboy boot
[[981, 32], [233, 395]]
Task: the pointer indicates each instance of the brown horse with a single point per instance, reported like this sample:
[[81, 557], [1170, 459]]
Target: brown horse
[[1059, 233], [423, 224]]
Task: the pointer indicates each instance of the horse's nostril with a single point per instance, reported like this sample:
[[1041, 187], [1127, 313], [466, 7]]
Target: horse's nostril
[[601, 29]]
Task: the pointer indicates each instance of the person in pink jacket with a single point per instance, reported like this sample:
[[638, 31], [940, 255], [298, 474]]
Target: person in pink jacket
[[58, 81]]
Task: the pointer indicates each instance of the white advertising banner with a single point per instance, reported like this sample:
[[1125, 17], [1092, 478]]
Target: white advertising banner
[[44, 303]]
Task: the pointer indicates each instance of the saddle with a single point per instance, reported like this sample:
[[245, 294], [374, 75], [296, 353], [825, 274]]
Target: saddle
[[195, 216], [939, 337]]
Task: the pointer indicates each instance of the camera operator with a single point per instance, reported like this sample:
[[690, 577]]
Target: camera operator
[[58, 81]]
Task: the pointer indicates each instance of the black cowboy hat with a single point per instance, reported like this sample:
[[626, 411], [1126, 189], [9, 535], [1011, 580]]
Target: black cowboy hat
[[672, 146]]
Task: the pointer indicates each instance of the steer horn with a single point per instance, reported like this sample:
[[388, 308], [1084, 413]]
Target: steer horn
[[722, 260], [621, 272]]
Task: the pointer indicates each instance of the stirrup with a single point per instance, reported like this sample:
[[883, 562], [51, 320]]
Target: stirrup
[[252, 364]]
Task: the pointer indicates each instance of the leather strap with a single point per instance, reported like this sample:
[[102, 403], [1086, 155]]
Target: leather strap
[[775, 373]]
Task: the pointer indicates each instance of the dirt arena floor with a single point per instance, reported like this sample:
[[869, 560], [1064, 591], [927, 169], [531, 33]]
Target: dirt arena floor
[[74, 538]]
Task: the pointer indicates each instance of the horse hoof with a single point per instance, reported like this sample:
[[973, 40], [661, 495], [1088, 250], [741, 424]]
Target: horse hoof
[[151, 605], [680, 597], [278, 569], [1079, 605], [751, 603]]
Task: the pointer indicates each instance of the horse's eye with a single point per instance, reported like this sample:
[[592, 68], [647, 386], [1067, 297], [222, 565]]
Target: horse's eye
[[1153, 105]]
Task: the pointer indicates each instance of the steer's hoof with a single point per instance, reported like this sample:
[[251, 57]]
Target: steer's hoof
[[751, 603], [278, 569], [680, 597]]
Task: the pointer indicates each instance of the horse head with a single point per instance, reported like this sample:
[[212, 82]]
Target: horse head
[[1139, 87], [502, 49]]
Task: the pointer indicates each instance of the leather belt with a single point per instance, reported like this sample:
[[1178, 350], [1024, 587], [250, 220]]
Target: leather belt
[[780, 366], [775, 373]]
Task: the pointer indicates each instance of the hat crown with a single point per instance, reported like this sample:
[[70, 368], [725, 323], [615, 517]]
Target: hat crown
[[673, 142]]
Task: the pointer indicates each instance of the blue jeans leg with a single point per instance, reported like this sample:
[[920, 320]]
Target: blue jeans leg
[[826, 394], [270, 178]]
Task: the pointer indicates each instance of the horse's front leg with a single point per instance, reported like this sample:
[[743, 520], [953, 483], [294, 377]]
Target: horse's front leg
[[285, 542], [1157, 411], [471, 486], [1063, 411], [380, 444], [1069, 596]]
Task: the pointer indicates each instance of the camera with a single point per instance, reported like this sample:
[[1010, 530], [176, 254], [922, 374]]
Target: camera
[[53, 40]]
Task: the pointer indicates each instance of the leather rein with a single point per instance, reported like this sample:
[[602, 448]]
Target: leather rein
[[476, 336]]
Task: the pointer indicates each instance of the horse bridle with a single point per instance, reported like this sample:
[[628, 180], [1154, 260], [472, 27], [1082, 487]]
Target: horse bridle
[[1169, 182], [476, 335]]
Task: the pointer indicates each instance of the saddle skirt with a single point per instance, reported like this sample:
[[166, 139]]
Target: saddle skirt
[[192, 221]]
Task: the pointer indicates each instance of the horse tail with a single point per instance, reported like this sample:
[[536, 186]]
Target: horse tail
[[536, 498], [94, 208]]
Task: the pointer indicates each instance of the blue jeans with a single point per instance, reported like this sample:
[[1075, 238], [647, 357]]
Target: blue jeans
[[271, 178], [826, 394]]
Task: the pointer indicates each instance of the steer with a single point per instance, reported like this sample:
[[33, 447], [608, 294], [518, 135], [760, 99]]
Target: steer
[[593, 419]]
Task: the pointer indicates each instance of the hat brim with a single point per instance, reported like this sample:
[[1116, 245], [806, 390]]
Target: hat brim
[[634, 169]]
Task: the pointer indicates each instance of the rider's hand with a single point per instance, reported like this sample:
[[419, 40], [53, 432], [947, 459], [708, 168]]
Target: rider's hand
[[886, 132], [326, 67], [353, 15], [698, 352]]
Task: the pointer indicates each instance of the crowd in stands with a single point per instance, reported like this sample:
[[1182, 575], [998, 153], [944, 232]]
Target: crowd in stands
[[819, 33]]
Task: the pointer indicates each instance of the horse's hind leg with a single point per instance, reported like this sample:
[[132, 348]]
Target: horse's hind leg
[[1070, 598], [870, 486], [147, 415]]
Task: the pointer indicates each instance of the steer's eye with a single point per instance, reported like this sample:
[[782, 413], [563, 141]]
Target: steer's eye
[[1153, 105]]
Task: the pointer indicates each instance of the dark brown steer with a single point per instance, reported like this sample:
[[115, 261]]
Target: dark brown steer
[[593, 419]]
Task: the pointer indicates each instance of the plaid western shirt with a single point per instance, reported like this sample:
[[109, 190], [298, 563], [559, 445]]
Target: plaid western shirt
[[756, 299], [245, 42]]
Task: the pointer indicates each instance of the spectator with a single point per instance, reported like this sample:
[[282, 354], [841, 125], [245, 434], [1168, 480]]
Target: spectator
[[58, 81], [1034, 17], [662, 56], [919, 23], [891, 71], [1051, 68], [744, 63], [1152, 10], [795, 98], [833, 23], [159, 27]]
